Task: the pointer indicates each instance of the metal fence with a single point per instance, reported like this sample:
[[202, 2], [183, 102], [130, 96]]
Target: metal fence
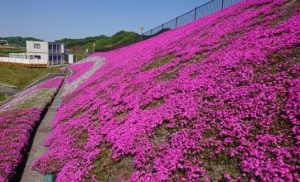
[[199, 12]]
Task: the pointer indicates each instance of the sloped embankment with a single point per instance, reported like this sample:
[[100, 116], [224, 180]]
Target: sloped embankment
[[80, 72], [217, 99], [19, 118]]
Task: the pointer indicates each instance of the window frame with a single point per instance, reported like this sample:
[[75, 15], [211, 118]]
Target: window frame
[[36, 46], [37, 56]]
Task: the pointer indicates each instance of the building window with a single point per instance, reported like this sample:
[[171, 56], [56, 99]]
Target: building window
[[50, 58], [37, 46], [37, 57], [54, 48]]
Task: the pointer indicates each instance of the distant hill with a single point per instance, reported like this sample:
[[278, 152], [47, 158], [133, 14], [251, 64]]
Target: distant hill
[[18, 41], [79, 46], [102, 42]]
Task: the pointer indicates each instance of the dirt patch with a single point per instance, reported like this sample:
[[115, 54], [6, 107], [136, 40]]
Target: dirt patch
[[216, 165], [158, 62], [168, 75], [78, 113], [289, 9], [199, 57], [278, 63], [213, 132], [178, 175], [119, 116], [220, 164], [256, 6], [108, 170], [153, 104], [81, 139], [161, 135], [284, 127]]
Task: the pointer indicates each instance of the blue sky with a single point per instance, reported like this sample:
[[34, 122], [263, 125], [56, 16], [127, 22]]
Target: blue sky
[[55, 19]]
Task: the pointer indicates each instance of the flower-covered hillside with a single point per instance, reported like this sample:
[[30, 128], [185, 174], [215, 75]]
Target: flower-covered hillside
[[18, 120], [81, 71], [217, 99]]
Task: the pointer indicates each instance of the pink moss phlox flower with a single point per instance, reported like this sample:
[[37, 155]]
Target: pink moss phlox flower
[[225, 87], [52, 83]]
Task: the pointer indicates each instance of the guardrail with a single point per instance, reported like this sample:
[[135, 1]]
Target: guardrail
[[188, 17]]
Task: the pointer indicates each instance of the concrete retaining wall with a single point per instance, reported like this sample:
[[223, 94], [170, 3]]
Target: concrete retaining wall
[[20, 61]]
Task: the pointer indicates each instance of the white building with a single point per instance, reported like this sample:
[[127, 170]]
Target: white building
[[42, 53], [53, 52], [3, 42]]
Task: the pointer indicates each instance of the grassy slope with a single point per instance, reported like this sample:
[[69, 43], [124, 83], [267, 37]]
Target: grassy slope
[[2, 97], [19, 41], [79, 46], [21, 76], [5, 50], [19, 119]]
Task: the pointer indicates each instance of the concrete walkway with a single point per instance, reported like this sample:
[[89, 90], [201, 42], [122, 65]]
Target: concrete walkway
[[70, 87], [38, 148]]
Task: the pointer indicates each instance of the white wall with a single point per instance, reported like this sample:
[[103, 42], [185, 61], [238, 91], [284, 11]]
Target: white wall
[[18, 55], [62, 48], [43, 47], [70, 58], [44, 56], [23, 61]]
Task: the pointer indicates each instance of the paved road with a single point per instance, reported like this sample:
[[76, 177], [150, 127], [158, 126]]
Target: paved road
[[38, 148], [8, 90]]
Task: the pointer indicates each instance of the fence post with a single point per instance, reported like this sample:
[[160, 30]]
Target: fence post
[[222, 4], [205, 5]]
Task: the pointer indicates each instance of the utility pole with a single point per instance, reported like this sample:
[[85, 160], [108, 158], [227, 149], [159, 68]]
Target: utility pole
[[142, 31], [94, 45]]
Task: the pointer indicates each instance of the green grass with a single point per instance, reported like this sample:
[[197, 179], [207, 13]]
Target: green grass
[[5, 50], [39, 99], [21, 76], [159, 62], [2, 97], [106, 169], [102, 43]]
